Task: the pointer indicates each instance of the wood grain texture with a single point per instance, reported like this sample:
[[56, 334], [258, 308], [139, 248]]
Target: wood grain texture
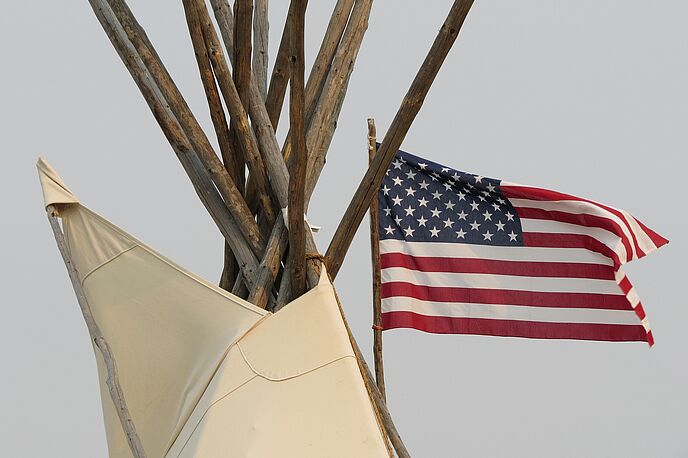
[[322, 63], [276, 167], [277, 89], [401, 123], [112, 380], [267, 269], [326, 112], [240, 122], [241, 75], [226, 186], [376, 273], [180, 144], [297, 182], [261, 34], [222, 132]]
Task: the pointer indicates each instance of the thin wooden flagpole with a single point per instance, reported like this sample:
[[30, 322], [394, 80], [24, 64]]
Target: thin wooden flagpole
[[377, 277], [410, 106], [112, 380]]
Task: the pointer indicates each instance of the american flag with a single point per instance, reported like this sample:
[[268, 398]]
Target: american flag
[[466, 254]]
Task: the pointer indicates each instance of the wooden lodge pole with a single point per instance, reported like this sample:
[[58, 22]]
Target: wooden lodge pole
[[275, 166], [316, 80], [261, 29], [112, 380], [279, 78], [173, 131], [296, 209], [377, 277], [407, 112], [322, 66], [230, 268], [230, 193]]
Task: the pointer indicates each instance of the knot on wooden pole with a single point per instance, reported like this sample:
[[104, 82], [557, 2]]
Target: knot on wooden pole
[[318, 256]]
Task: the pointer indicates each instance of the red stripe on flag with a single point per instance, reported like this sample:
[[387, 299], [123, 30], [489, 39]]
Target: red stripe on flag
[[626, 286], [525, 192], [547, 240], [497, 267], [513, 328], [657, 239], [580, 220], [504, 296]]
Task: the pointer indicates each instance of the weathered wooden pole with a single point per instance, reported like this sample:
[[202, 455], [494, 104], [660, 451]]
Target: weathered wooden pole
[[319, 72], [275, 166], [323, 121], [261, 29], [245, 136], [407, 112], [297, 173], [322, 66], [377, 277], [277, 89], [241, 74], [192, 128], [178, 140], [99, 341], [230, 268]]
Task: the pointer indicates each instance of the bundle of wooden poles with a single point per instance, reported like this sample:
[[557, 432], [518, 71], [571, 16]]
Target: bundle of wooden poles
[[255, 190]]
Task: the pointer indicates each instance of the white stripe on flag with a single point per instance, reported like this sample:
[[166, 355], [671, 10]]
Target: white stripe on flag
[[508, 282], [509, 312], [500, 253], [611, 240], [576, 207]]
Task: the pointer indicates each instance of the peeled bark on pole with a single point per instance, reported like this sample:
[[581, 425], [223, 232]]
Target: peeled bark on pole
[[261, 29], [296, 210], [178, 140], [188, 122], [407, 112], [377, 276], [99, 341]]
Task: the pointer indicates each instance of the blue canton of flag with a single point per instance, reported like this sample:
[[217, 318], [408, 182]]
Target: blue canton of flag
[[424, 201]]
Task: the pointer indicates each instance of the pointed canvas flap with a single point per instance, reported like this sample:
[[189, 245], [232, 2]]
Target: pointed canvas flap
[[168, 329], [54, 189], [324, 341], [291, 387]]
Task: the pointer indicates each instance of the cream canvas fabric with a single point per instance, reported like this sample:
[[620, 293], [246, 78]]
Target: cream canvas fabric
[[205, 373]]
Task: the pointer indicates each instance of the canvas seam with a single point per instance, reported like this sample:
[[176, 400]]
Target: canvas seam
[[273, 379], [106, 262]]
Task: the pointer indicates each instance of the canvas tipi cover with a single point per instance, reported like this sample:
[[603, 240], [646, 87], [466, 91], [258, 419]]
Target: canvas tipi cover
[[205, 373]]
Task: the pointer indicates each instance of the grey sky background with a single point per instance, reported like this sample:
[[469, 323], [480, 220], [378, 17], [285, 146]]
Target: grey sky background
[[585, 97]]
